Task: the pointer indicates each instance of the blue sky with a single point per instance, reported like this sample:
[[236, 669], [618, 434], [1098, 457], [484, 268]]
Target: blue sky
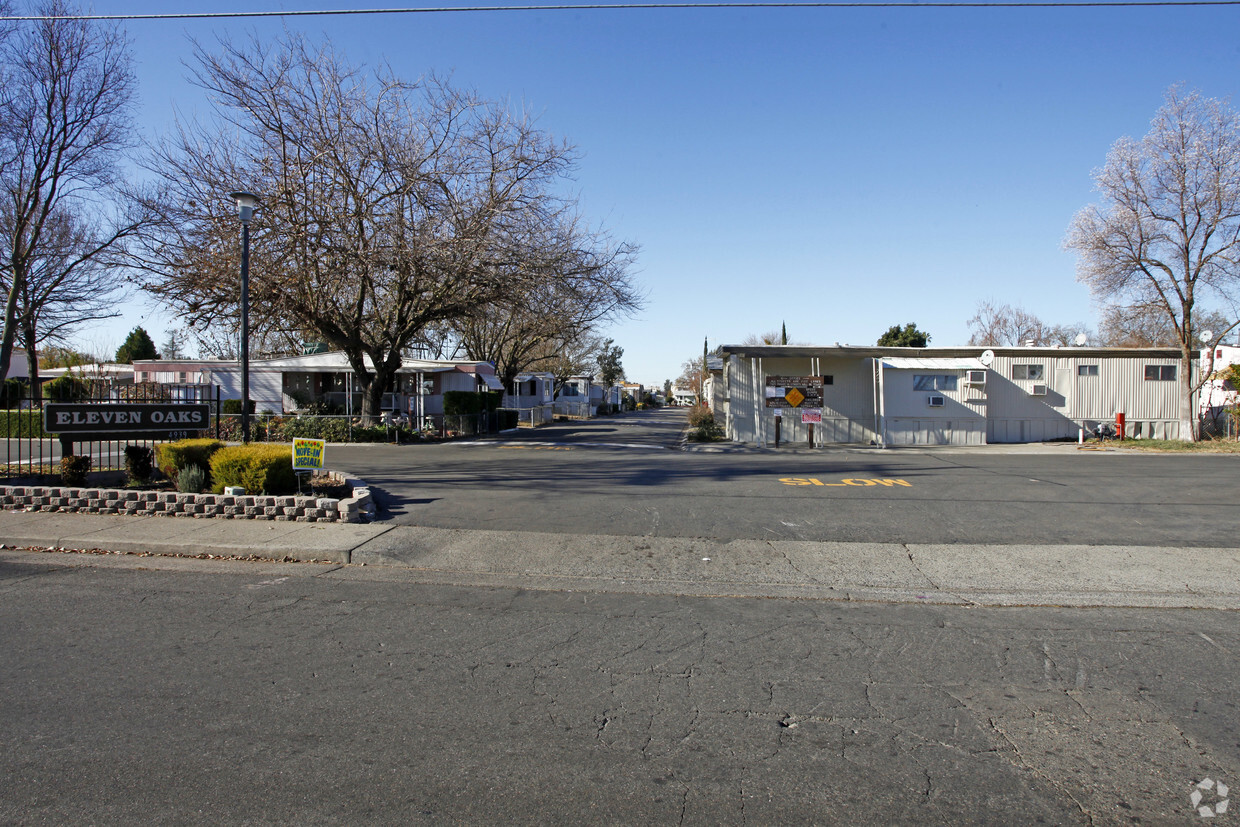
[[837, 170]]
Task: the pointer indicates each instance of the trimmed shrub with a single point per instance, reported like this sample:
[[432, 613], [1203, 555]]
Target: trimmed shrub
[[463, 403], [22, 423], [191, 480], [12, 392], [172, 457], [66, 388], [266, 469], [139, 464], [232, 407], [73, 470]]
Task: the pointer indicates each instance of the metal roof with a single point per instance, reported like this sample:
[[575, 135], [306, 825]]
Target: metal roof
[[932, 363]]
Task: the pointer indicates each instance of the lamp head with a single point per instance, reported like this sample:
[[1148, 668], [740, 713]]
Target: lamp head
[[245, 205]]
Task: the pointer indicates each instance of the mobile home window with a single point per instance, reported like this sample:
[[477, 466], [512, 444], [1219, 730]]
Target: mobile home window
[[1033, 372], [1163, 373], [570, 390], [934, 382], [1086, 370]]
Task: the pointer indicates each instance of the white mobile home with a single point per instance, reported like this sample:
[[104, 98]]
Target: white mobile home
[[947, 396], [286, 384], [530, 394]]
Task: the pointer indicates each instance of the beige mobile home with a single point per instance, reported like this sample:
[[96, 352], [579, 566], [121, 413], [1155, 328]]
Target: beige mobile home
[[948, 396]]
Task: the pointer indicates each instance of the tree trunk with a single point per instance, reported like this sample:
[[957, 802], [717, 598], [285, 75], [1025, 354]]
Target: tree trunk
[[1189, 421], [32, 365], [10, 326]]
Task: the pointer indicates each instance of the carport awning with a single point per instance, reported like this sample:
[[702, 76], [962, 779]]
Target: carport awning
[[932, 363]]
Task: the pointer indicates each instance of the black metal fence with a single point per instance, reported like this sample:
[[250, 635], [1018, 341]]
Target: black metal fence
[[30, 451]]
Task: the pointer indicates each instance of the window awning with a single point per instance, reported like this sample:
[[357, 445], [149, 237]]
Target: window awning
[[932, 363], [492, 381]]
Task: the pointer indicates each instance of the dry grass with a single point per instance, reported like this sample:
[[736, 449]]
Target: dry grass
[[1175, 446]]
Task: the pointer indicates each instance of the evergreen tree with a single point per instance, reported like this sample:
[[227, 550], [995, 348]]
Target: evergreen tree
[[138, 345], [907, 336]]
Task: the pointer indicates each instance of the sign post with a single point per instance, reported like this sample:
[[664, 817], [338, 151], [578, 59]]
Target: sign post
[[798, 392]]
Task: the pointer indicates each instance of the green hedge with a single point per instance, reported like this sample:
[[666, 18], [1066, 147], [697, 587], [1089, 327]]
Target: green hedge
[[12, 392], [22, 424], [458, 403], [265, 469], [173, 457], [66, 388]]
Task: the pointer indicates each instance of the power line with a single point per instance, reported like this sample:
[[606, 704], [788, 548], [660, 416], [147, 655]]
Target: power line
[[841, 4]]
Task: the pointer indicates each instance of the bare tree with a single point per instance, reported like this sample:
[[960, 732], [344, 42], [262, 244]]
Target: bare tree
[[1148, 326], [64, 124], [387, 207], [1005, 325], [66, 286], [577, 289], [1167, 234]]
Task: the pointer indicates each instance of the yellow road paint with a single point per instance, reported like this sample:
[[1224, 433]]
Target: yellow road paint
[[537, 447], [850, 481]]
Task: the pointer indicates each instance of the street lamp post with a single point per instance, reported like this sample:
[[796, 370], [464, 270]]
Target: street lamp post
[[245, 211]]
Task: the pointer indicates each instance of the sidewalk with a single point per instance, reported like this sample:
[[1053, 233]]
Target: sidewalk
[[975, 575]]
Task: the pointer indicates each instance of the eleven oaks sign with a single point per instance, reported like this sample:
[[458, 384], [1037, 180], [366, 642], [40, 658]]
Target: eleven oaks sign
[[70, 419]]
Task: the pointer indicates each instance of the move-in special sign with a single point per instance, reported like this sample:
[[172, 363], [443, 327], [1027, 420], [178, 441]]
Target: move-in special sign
[[794, 391], [69, 418], [308, 453]]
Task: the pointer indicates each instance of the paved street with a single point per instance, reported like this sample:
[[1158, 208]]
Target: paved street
[[187, 692], [618, 476], [582, 625]]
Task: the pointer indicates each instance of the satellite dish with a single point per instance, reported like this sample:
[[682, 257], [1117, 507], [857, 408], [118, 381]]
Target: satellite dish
[[1207, 335], [987, 357], [1081, 339]]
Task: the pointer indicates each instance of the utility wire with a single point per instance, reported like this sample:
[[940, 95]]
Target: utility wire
[[841, 4]]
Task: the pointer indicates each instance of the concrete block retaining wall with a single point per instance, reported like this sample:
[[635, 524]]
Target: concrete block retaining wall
[[172, 504]]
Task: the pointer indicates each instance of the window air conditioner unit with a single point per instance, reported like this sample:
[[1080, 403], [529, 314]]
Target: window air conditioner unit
[[1038, 390], [935, 401], [976, 377]]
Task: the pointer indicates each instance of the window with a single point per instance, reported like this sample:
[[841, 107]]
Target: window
[[570, 390], [1033, 372], [934, 382], [1160, 373], [1086, 370]]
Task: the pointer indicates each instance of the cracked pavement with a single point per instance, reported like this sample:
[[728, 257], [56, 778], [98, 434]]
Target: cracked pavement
[[243, 692]]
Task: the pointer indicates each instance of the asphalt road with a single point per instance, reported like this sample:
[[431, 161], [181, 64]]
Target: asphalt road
[[185, 692], [621, 476]]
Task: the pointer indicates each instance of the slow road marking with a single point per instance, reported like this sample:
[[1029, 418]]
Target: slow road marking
[[851, 481], [536, 447]]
